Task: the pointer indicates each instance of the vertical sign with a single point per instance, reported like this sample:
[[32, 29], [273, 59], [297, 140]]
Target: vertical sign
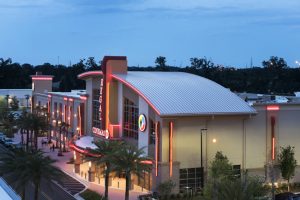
[[101, 131]]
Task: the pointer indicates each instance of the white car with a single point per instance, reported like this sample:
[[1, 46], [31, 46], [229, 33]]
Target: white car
[[10, 142]]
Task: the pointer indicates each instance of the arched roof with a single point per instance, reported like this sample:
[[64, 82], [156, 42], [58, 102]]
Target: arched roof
[[184, 94]]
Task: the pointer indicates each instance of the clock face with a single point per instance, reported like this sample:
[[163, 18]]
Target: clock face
[[142, 122]]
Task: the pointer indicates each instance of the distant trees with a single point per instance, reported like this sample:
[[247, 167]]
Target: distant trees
[[160, 62], [287, 163], [273, 77], [274, 63]]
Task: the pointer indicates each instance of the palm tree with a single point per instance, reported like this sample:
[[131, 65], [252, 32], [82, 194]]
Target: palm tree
[[11, 166], [38, 123], [23, 124], [66, 129], [29, 167], [130, 160], [107, 149]]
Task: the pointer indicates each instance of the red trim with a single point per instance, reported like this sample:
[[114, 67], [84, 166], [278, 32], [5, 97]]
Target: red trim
[[156, 149], [147, 162], [273, 148], [273, 137], [273, 107], [171, 148], [84, 98], [137, 91], [79, 117], [90, 73], [42, 78]]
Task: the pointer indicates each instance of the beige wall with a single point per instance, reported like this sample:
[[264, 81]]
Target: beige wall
[[228, 132], [256, 141]]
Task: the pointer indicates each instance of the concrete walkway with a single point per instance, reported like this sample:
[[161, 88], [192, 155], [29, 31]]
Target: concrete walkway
[[61, 162]]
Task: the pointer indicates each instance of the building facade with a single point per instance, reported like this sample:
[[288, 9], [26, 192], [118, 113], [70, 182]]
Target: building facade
[[180, 119]]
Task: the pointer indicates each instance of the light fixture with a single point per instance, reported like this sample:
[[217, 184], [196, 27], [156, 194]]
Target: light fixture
[[214, 140]]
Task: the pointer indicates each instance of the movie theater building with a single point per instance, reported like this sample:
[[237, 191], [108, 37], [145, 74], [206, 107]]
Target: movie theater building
[[180, 119]]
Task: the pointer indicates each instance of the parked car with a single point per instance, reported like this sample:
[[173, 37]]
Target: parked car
[[8, 141], [296, 196], [2, 136], [285, 196]]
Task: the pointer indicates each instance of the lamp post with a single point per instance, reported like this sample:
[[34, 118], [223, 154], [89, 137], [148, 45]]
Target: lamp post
[[201, 157]]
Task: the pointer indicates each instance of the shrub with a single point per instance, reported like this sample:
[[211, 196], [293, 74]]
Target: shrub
[[91, 195], [165, 188]]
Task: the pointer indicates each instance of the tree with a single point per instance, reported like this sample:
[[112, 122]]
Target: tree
[[9, 123], [22, 168], [130, 160], [165, 188], [201, 63], [223, 185], [220, 167], [160, 62], [37, 124], [106, 151], [91, 64], [274, 63], [220, 170], [287, 163], [14, 104]]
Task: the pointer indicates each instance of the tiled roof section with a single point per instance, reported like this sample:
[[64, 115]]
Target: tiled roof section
[[178, 93]]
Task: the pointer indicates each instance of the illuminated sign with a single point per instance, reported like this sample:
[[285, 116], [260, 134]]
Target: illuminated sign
[[100, 132], [142, 123], [273, 107], [101, 99]]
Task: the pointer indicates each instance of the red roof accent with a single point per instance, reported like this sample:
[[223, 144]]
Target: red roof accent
[[90, 73]]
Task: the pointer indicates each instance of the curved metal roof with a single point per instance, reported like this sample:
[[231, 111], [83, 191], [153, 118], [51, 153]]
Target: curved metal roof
[[179, 93]]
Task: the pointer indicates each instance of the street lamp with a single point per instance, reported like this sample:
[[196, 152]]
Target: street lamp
[[201, 159]]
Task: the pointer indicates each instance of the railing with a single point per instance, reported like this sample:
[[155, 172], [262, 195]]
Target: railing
[[9, 190]]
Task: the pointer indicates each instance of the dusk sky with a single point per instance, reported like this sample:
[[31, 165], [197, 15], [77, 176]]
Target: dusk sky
[[229, 32]]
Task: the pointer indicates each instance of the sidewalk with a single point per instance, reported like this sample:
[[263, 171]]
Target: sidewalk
[[61, 162]]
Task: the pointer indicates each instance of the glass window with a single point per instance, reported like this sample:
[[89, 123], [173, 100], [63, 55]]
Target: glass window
[[190, 178], [130, 123]]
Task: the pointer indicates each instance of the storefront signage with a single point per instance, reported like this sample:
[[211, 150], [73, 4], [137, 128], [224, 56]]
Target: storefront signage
[[100, 132], [142, 122], [101, 99]]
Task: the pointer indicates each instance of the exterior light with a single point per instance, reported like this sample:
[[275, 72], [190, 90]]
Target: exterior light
[[77, 128], [90, 164], [75, 115], [214, 140], [74, 155]]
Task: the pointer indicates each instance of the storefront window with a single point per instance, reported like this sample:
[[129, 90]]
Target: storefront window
[[130, 123], [190, 178], [96, 105]]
